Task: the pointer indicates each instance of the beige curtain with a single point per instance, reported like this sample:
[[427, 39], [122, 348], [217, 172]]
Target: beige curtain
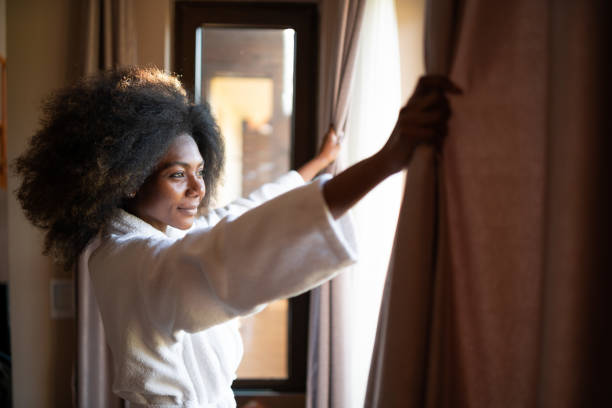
[[110, 39], [496, 289], [341, 22], [109, 42], [328, 359]]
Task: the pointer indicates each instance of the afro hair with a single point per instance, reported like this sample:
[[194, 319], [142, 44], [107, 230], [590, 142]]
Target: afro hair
[[99, 140]]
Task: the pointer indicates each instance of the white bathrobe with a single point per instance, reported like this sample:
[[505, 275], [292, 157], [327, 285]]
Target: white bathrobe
[[168, 301]]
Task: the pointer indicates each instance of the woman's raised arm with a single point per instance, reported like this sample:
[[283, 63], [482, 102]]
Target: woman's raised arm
[[422, 120], [328, 153]]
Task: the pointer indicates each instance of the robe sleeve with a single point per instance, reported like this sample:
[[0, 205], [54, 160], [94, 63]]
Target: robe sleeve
[[264, 193], [278, 249]]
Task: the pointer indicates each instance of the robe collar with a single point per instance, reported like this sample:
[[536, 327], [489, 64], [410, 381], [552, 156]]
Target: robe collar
[[126, 223]]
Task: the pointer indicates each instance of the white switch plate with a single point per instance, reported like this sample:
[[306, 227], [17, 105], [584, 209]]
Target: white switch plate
[[62, 298]]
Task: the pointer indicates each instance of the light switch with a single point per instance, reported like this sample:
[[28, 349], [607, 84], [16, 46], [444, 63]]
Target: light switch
[[62, 298]]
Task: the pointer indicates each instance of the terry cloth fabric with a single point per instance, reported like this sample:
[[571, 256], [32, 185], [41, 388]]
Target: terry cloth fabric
[[168, 301]]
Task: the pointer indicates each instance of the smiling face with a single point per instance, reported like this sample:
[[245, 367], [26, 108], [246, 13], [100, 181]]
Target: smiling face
[[172, 194]]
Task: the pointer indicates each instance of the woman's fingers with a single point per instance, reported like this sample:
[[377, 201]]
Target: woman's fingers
[[420, 133], [439, 82], [331, 145], [424, 100], [424, 118], [432, 99], [425, 111], [331, 137]]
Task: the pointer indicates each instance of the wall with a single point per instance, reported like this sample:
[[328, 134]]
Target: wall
[[3, 27], [40, 45], [3, 193], [43, 44]]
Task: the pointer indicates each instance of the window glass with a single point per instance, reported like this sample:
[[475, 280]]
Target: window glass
[[247, 76]]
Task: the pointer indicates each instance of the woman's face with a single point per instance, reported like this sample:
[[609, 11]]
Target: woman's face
[[172, 194]]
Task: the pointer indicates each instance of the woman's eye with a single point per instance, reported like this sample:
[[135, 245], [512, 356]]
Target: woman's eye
[[178, 174], [201, 173]]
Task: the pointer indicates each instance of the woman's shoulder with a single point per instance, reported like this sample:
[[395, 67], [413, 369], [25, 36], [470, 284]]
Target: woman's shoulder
[[125, 224], [125, 237]]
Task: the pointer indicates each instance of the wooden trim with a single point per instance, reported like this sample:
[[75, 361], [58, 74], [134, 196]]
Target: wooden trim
[[3, 121], [271, 400], [303, 18]]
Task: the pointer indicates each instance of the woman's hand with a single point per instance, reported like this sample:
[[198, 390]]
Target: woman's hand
[[422, 120], [327, 154], [330, 147]]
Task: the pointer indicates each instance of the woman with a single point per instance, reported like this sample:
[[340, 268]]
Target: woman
[[121, 166]]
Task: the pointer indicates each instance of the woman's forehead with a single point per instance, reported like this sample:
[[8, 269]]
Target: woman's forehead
[[183, 149]]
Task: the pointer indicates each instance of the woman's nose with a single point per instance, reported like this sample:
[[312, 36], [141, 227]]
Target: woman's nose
[[196, 186]]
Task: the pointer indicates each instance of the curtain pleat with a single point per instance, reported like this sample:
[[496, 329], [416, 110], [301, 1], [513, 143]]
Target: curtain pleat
[[413, 304], [348, 38], [109, 42], [403, 333], [94, 365], [576, 332], [341, 24], [328, 360], [110, 39], [496, 293]]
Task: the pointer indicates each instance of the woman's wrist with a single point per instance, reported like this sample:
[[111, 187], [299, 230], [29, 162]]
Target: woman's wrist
[[309, 170], [321, 162], [391, 161]]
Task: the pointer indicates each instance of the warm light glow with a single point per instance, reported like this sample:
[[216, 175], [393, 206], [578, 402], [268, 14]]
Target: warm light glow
[[265, 336], [235, 100], [288, 63]]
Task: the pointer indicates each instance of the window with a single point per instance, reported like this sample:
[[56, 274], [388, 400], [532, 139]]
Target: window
[[256, 65]]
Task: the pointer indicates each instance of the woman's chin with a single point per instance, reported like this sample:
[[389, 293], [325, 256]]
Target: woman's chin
[[184, 223]]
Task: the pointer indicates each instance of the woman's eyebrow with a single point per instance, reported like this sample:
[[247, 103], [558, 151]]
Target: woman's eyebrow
[[178, 163]]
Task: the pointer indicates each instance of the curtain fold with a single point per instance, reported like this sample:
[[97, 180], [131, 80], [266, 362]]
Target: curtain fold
[[94, 364], [110, 38], [328, 359], [497, 287], [405, 314], [576, 333], [348, 36], [400, 361], [341, 22], [109, 42]]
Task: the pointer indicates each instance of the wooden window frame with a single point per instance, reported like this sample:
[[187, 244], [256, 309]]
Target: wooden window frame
[[303, 18]]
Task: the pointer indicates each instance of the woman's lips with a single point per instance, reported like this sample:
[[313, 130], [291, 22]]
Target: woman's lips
[[188, 210]]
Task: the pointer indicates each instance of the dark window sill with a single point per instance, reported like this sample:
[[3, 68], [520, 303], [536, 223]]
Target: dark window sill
[[269, 399]]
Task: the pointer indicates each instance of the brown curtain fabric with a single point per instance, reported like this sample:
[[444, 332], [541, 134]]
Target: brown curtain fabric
[[328, 359], [576, 330], [398, 371], [341, 23], [110, 39], [94, 365], [109, 42], [496, 289]]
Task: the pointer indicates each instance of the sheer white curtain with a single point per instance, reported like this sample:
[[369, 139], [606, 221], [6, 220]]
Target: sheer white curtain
[[375, 103], [344, 312]]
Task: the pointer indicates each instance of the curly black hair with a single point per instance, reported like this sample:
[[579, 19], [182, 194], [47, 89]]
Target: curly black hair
[[99, 140]]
